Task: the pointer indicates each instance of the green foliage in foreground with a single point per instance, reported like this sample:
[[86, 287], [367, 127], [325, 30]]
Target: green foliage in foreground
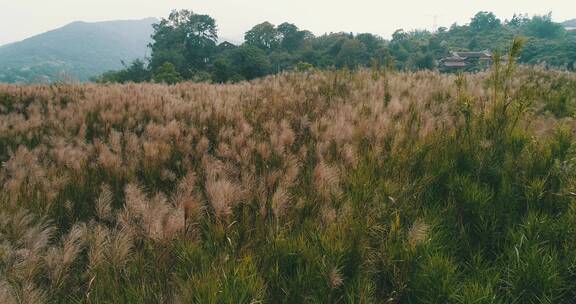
[[481, 214]]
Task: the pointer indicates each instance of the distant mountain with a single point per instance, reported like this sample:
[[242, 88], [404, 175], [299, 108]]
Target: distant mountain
[[569, 23], [78, 51]]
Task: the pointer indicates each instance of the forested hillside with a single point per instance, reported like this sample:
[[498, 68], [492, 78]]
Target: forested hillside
[[185, 47], [76, 51]]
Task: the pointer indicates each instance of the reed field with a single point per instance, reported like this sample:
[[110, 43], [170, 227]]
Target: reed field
[[371, 186]]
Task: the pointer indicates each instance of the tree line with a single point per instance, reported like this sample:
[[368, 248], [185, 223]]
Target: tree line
[[185, 47]]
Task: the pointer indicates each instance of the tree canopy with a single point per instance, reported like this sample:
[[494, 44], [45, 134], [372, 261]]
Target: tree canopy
[[188, 42], [264, 36], [185, 39]]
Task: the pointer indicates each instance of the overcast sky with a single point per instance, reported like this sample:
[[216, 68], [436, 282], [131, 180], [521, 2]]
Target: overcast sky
[[20, 19]]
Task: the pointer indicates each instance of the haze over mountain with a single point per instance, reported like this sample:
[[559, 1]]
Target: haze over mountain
[[79, 51], [570, 23]]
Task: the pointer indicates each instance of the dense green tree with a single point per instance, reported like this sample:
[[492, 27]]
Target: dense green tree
[[352, 54], [371, 42], [424, 61], [223, 70], [518, 20], [243, 63], [292, 38], [281, 60], [311, 56], [185, 39], [544, 27], [167, 73], [376, 47], [188, 42], [410, 49], [399, 35], [264, 36], [135, 72], [251, 62], [484, 21]]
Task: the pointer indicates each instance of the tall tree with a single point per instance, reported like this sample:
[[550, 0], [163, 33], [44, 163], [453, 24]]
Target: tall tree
[[292, 38], [352, 54], [185, 39], [544, 27], [264, 36], [484, 21]]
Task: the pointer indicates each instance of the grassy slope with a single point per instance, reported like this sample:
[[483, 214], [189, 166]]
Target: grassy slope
[[327, 187]]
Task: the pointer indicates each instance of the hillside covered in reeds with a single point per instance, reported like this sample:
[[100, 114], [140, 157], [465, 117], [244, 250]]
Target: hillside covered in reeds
[[318, 187]]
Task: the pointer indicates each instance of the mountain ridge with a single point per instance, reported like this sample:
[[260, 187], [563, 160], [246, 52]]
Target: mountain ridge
[[570, 23], [78, 50]]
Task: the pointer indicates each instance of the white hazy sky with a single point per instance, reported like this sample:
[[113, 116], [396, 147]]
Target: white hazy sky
[[20, 19]]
